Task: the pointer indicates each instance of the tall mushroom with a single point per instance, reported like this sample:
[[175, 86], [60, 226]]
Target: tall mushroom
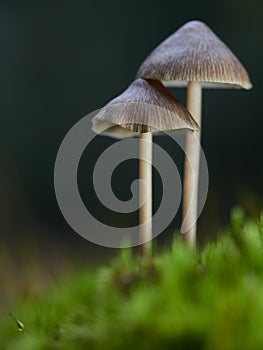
[[195, 56], [145, 107]]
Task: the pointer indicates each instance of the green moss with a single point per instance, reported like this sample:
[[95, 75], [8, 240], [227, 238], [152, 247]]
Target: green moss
[[211, 299]]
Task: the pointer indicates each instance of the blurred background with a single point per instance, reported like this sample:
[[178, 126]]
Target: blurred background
[[59, 61]]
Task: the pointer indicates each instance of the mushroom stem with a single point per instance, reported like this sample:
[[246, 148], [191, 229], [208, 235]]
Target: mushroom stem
[[145, 173], [191, 166]]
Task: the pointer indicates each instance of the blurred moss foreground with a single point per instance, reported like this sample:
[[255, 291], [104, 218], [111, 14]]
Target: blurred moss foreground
[[209, 300]]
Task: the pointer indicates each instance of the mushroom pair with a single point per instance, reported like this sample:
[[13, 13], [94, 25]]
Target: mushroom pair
[[192, 56]]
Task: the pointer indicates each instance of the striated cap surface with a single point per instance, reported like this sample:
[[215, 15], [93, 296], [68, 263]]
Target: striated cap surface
[[146, 106], [194, 53]]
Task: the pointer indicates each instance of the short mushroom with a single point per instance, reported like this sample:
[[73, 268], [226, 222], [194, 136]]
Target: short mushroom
[[194, 55], [145, 107]]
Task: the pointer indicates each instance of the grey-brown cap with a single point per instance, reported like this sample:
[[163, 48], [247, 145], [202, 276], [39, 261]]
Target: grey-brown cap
[[146, 106], [194, 53]]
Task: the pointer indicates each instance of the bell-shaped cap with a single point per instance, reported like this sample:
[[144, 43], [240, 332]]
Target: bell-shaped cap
[[146, 106], [194, 53]]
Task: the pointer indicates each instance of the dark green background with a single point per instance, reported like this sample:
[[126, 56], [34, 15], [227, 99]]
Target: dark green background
[[61, 60]]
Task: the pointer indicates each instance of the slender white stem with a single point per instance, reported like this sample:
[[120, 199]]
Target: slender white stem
[[191, 172], [146, 191]]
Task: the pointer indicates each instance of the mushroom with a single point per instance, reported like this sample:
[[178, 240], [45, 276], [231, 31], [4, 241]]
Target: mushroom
[[145, 107], [196, 57]]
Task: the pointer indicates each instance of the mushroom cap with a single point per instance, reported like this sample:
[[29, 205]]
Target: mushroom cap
[[146, 106], [194, 53]]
